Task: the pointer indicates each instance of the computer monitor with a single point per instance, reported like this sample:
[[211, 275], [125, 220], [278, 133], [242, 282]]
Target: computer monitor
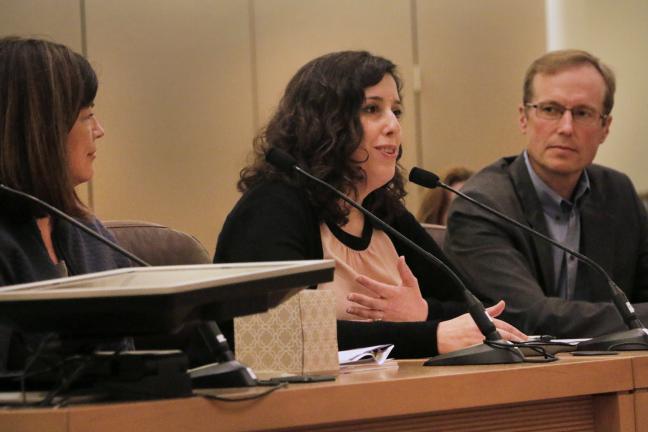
[[156, 300]]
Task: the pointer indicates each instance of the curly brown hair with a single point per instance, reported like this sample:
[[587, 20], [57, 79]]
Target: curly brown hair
[[318, 123]]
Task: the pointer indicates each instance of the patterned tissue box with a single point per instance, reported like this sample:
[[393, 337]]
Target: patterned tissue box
[[299, 336]]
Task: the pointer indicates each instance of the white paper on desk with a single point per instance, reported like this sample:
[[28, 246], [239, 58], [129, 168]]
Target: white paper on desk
[[553, 346], [378, 354], [539, 341], [570, 341]]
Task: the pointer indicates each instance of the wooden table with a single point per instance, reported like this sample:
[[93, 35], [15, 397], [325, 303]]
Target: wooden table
[[574, 394]]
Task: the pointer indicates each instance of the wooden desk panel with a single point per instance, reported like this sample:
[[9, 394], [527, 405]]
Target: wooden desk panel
[[572, 391], [640, 369], [32, 420], [640, 374], [641, 410]]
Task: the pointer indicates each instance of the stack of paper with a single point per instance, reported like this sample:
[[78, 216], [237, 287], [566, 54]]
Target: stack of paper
[[364, 359]]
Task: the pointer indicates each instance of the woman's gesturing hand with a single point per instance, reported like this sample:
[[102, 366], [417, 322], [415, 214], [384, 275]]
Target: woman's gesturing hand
[[390, 302]]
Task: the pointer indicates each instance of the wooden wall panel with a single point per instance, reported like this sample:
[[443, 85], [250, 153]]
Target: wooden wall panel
[[567, 415], [175, 100], [473, 56], [55, 20]]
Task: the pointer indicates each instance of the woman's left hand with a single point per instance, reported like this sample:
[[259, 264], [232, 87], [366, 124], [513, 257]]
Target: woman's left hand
[[461, 332], [391, 302]]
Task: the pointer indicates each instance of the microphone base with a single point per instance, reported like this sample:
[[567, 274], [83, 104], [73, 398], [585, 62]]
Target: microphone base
[[627, 340], [227, 374], [477, 355]]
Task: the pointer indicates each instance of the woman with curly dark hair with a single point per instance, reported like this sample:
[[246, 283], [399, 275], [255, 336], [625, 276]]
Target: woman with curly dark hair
[[339, 118]]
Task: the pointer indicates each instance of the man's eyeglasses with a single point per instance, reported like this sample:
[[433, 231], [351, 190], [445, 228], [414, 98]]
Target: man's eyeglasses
[[581, 115]]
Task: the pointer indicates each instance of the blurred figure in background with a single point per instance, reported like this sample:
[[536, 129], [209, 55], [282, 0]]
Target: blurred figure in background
[[435, 205]]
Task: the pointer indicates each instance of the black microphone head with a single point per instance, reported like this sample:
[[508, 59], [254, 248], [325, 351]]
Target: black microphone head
[[280, 159], [423, 178]]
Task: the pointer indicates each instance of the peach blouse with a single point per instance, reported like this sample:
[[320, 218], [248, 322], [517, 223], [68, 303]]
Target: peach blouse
[[372, 255]]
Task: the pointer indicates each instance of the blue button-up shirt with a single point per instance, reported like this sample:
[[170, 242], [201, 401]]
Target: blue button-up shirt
[[563, 222]]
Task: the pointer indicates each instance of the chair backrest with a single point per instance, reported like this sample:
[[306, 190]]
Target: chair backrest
[[437, 232], [157, 244]]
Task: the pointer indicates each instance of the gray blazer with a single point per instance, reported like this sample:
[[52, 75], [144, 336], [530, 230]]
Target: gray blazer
[[508, 264]]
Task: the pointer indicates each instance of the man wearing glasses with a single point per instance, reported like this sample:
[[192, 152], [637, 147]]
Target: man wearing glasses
[[554, 188]]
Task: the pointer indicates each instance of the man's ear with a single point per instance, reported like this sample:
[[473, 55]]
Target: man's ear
[[606, 128], [523, 118]]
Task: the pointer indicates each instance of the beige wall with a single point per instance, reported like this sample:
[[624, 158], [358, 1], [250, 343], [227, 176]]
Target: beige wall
[[473, 55], [58, 20], [55, 19], [176, 102], [617, 32], [184, 85]]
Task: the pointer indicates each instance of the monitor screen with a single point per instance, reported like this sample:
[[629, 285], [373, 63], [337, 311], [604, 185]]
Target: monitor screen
[[156, 300]]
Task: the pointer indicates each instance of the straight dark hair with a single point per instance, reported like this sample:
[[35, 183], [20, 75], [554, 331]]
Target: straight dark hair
[[43, 87], [318, 123]]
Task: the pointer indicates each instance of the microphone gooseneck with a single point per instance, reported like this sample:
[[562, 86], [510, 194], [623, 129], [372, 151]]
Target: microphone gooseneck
[[287, 163], [76, 223], [430, 180]]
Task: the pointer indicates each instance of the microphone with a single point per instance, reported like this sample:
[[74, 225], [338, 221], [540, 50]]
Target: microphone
[[76, 223], [478, 354], [634, 339]]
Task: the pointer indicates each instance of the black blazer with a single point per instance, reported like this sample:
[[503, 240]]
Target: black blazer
[[517, 267]]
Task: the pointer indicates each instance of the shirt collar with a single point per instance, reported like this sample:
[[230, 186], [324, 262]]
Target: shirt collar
[[550, 200]]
